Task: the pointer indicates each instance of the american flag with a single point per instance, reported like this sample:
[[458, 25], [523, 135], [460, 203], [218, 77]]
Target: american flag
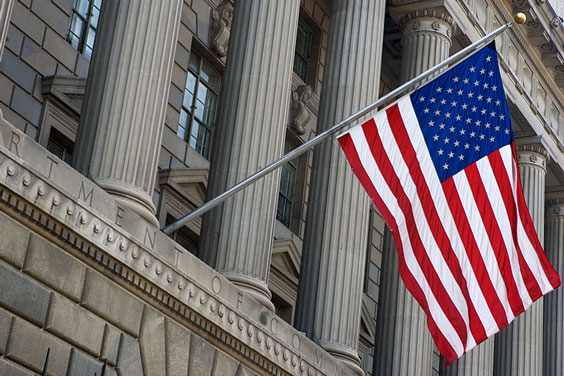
[[440, 165]]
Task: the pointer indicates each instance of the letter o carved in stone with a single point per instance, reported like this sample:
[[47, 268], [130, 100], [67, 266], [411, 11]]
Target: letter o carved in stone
[[216, 284]]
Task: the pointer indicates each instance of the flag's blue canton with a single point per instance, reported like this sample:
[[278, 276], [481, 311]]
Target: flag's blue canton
[[463, 113]]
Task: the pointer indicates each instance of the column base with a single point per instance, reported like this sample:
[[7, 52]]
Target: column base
[[346, 356], [252, 287], [139, 202]]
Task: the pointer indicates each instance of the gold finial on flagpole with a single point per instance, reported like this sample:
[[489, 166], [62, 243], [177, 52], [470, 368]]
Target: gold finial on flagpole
[[520, 18]]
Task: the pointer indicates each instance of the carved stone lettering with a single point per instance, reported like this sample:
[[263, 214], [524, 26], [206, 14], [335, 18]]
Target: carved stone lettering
[[148, 236], [86, 197], [53, 162], [14, 141], [119, 215]]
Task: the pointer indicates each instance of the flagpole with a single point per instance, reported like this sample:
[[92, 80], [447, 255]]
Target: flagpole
[[519, 18]]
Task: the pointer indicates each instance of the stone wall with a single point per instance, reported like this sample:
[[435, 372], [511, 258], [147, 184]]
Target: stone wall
[[90, 280], [51, 299]]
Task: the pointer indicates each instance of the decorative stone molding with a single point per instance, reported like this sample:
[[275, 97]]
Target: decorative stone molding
[[555, 206], [532, 154], [299, 114], [181, 285], [220, 27], [431, 20]]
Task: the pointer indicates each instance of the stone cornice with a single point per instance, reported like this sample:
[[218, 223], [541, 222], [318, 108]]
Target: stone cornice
[[155, 269]]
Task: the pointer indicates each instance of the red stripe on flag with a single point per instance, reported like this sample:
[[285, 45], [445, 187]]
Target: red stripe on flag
[[496, 239], [409, 280], [473, 252], [433, 218], [549, 271], [447, 305], [502, 179]]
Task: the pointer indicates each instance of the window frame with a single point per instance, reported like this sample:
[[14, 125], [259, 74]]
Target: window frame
[[82, 44], [191, 117], [309, 31]]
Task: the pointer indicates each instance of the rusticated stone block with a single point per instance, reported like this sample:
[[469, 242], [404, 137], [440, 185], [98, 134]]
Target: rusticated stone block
[[75, 324], [81, 364], [14, 241], [54, 267], [177, 348], [22, 295], [28, 346], [110, 344], [5, 324], [223, 365], [201, 357], [152, 342], [129, 357], [112, 303], [10, 369]]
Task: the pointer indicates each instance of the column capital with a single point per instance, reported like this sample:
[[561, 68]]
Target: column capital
[[533, 154], [555, 204], [435, 20]]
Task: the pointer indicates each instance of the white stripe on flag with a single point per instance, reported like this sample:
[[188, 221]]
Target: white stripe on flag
[[529, 253], [501, 216], [372, 170], [446, 217]]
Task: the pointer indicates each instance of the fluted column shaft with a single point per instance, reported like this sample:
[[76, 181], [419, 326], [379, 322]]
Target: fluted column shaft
[[124, 107], [553, 354], [5, 14], [519, 347], [237, 236], [403, 344], [333, 256]]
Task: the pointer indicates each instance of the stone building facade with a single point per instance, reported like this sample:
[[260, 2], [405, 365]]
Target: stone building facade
[[119, 117]]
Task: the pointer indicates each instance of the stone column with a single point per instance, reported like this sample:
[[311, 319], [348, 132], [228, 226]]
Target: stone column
[[333, 256], [120, 129], [237, 236], [403, 344], [519, 347], [5, 13], [554, 301]]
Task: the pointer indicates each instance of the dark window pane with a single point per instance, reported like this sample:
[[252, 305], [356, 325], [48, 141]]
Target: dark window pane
[[194, 62], [90, 38], [82, 7], [287, 188], [303, 49], [95, 17]]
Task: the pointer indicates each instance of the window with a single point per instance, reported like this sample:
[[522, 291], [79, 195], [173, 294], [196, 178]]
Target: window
[[84, 21], [303, 49], [199, 105], [60, 145], [184, 236], [287, 188]]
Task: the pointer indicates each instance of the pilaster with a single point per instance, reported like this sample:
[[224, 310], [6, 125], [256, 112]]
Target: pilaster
[[237, 236], [120, 129], [5, 14], [404, 345], [332, 270], [519, 347], [554, 301]]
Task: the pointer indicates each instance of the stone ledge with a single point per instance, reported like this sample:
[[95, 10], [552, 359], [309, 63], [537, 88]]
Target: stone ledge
[[31, 182]]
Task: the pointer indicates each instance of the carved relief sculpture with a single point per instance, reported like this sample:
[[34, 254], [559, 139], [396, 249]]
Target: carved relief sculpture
[[299, 114], [220, 27]]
